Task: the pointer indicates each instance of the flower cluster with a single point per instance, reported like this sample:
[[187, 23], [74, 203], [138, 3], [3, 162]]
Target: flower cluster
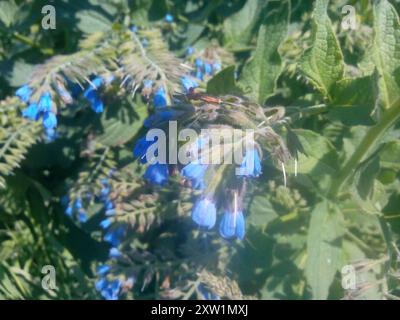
[[114, 233], [76, 210], [220, 190], [205, 64], [157, 173], [204, 211], [109, 285], [45, 107]]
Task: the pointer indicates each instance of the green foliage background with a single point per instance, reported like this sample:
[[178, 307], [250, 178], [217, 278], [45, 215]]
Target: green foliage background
[[341, 93]]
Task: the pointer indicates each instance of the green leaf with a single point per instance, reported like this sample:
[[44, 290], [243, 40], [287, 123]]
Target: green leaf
[[366, 177], [261, 73], [90, 21], [390, 155], [319, 155], [261, 211], [386, 51], [350, 116], [355, 92], [8, 9], [323, 248], [323, 63], [20, 72], [119, 129], [223, 82], [239, 27]]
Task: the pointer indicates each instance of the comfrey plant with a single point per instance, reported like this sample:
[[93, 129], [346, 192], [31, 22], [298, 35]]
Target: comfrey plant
[[208, 172], [52, 87]]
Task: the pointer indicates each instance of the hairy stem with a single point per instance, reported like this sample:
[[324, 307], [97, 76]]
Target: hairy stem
[[388, 119]]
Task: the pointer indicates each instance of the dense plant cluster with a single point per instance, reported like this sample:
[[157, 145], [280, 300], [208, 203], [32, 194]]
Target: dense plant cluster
[[312, 202]]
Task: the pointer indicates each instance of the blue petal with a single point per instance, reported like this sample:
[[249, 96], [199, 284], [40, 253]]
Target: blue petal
[[110, 212], [195, 173], [24, 93], [240, 226], [49, 120], [76, 89], [102, 269], [194, 170], [169, 18], [31, 112], [105, 223], [227, 225], [216, 66], [104, 192], [232, 225], [198, 184], [198, 63], [157, 173], [207, 68], [115, 235], [207, 294], [160, 98], [51, 135], [101, 284], [199, 74], [109, 205], [189, 51], [78, 204], [147, 83], [69, 211], [114, 253], [97, 82], [82, 216], [97, 105], [251, 165], [188, 83], [44, 104], [141, 147], [159, 117]]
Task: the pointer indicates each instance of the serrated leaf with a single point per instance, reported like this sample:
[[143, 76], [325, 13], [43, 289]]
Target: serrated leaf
[[355, 92], [323, 248], [386, 51], [323, 63], [350, 116], [223, 82], [319, 155], [261, 73], [261, 211], [239, 26]]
